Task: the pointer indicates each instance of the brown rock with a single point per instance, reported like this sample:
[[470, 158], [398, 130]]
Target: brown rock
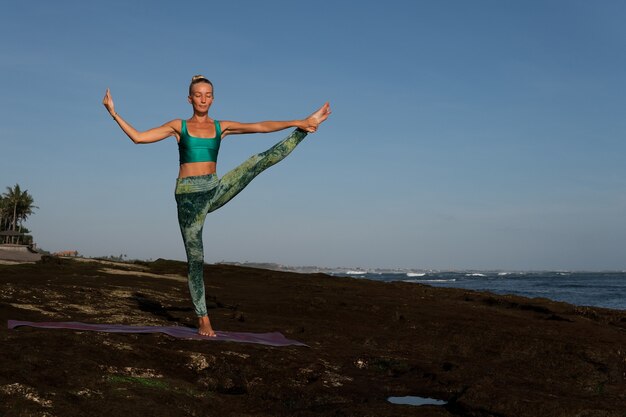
[[487, 355]]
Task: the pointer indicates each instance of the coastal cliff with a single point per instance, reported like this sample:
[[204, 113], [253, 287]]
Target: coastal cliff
[[484, 354]]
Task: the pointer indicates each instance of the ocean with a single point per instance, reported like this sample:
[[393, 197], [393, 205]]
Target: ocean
[[599, 289]]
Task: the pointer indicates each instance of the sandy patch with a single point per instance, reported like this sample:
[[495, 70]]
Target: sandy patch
[[112, 263], [25, 391], [143, 274], [32, 308], [117, 345], [84, 308], [132, 372], [4, 262]]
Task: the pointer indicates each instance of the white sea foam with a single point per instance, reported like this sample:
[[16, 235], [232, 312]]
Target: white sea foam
[[502, 274], [475, 275], [415, 274], [417, 281], [356, 272]]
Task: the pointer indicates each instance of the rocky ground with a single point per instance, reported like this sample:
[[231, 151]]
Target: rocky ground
[[486, 355]]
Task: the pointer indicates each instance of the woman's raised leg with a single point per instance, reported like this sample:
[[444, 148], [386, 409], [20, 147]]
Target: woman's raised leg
[[237, 179]]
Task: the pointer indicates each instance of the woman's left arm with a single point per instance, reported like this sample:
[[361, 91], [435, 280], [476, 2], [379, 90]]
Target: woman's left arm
[[309, 124]]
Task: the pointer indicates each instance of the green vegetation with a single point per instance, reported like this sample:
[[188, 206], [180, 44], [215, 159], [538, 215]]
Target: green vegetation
[[146, 382], [15, 207]]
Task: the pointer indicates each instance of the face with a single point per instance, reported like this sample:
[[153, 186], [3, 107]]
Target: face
[[201, 96]]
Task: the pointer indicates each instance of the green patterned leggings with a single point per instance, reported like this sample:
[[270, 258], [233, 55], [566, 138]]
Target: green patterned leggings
[[198, 196]]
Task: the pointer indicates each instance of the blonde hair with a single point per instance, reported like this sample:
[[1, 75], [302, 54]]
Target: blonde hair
[[199, 79]]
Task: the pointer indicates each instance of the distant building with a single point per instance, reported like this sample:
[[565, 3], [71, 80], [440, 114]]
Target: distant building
[[66, 253], [17, 238]]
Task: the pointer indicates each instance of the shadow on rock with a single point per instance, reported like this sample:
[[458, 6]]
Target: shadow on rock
[[155, 307]]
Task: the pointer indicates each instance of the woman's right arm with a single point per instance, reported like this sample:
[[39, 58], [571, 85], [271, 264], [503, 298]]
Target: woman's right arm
[[148, 136]]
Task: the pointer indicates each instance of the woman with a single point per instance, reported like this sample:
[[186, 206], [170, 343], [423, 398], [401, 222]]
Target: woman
[[198, 189]]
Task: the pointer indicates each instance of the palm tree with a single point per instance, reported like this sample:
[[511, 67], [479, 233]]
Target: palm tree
[[17, 206], [3, 213]]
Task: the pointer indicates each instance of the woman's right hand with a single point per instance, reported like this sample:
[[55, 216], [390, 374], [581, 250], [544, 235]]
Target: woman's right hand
[[107, 101], [149, 136]]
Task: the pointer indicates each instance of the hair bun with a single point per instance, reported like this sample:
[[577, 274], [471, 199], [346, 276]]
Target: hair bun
[[196, 79]]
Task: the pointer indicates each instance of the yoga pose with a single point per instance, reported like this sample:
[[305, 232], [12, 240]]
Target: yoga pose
[[198, 189]]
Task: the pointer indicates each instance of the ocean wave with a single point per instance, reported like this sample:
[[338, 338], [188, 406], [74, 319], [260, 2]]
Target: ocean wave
[[475, 275], [415, 274], [355, 272], [418, 281]]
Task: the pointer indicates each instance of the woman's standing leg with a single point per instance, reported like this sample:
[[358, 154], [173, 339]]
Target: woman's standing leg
[[237, 179], [193, 195]]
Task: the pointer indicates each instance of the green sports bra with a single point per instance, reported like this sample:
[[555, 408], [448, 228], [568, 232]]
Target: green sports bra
[[193, 149]]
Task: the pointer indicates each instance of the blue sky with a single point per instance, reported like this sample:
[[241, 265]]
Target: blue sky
[[483, 134]]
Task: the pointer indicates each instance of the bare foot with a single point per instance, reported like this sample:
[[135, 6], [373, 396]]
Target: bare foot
[[314, 120], [204, 327]]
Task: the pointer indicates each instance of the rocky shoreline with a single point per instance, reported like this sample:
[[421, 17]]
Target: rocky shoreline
[[485, 355]]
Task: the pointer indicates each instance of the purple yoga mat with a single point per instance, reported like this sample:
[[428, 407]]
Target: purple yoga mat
[[269, 339]]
